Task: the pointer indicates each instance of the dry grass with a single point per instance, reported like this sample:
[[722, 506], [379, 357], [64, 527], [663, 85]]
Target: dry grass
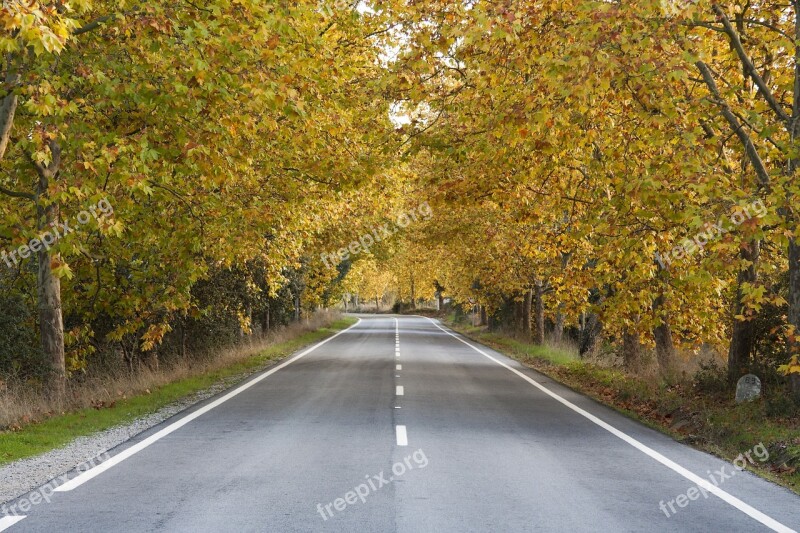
[[21, 405], [686, 364]]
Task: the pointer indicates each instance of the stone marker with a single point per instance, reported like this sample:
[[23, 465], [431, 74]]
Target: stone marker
[[748, 388]]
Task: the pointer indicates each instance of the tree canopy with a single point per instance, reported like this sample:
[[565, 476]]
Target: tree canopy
[[627, 170]]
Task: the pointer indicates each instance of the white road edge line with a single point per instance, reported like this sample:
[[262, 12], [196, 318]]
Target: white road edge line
[[728, 498], [402, 436], [399, 390], [8, 521], [102, 467]]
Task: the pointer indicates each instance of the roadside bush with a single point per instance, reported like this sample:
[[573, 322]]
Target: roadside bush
[[711, 378], [780, 404], [20, 357]]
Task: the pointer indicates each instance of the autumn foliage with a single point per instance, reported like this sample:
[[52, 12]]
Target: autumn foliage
[[625, 172]]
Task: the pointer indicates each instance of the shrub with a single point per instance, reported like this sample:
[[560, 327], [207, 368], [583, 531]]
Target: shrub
[[20, 356], [711, 378]]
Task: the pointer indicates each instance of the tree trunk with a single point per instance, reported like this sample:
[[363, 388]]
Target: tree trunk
[[794, 308], [150, 360], [8, 108], [632, 351], [483, 315], [665, 348], [48, 285], [265, 320], [526, 314], [590, 333], [794, 243], [7, 111], [743, 335], [558, 328], [51, 323], [127, 356], [183, 338], [538, 314]]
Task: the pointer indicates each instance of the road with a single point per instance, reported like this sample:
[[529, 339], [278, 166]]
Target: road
[[397, 424]]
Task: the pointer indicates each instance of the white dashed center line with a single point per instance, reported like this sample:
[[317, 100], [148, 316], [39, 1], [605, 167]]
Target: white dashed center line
[[402, 436]]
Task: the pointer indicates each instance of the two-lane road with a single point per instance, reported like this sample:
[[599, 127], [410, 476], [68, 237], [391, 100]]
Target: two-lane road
[[397, 424]]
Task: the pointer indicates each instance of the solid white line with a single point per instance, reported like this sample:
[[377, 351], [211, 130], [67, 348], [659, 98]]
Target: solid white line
[[398, 367], [402, 436], [728, 498], [399, 390], [102, 467], [8, 521]]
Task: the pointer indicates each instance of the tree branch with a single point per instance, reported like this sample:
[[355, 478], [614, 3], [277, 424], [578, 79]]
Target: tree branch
[[91, 26], [15, 194], [744, 138], [750, 68]]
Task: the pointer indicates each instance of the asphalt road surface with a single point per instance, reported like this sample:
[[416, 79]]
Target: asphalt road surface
[[397, 424]]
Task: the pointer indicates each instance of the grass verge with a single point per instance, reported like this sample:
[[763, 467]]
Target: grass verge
[[710, 421], [58, 430]]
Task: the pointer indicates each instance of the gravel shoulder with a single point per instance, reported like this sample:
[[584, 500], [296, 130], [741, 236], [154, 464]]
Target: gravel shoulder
[[23, 476]]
